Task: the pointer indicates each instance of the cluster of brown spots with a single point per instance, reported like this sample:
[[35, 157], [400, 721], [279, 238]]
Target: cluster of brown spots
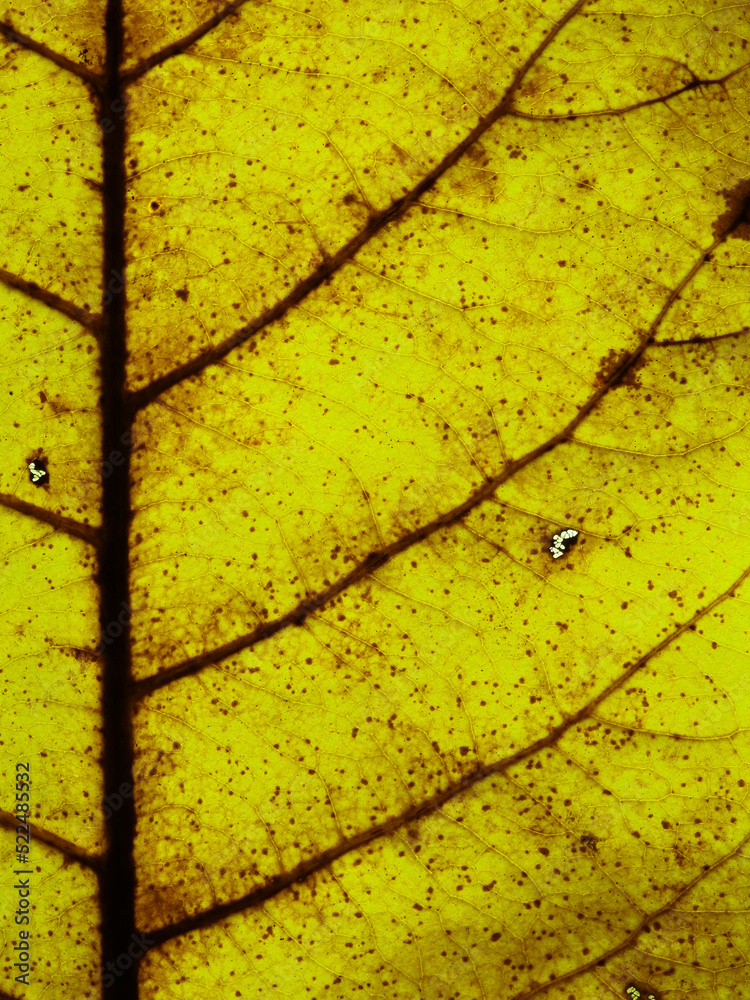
[[478, 154], [587, 843], [608, 365]]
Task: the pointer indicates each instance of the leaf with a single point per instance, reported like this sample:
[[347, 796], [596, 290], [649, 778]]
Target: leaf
[[325, 325]]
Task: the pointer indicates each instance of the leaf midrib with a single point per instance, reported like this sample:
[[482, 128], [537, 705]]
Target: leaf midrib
[[117, 877]]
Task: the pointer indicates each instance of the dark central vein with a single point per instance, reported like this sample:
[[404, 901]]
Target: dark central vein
[[117, 879]]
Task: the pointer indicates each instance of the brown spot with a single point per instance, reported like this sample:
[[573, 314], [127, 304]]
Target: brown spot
[[401, 154], [630, 375], [588, 843], [608, 365], [736, 220], [477, 153], [182, 293]]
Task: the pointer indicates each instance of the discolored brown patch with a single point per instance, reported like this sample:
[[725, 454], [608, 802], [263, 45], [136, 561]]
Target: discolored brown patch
[[478, 154], [630, 376], [608, 366], [588, 843], [401, 154], [736, 220]]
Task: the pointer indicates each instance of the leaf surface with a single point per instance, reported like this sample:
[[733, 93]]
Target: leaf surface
[[324, 320]]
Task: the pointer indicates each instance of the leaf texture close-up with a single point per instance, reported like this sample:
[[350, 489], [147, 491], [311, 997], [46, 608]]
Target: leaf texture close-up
[[376, 500]]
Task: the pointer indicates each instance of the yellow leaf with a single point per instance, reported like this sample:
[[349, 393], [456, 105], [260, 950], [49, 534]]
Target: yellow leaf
[[375, 520]]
